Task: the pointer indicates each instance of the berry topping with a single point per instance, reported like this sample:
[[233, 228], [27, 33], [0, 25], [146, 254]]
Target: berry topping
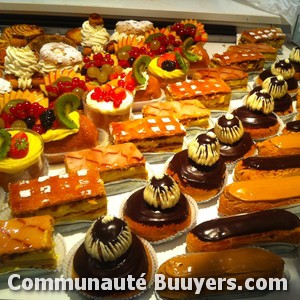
[[19, 145], [168, 65], [47, 118]]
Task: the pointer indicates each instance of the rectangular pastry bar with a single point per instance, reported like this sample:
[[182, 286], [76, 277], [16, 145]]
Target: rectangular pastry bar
[[272, 36], [213, 93], [151, 134], [246, 61], [269, 52], [188, 112], [68, 197], [236, 79], [114, 162], [27, 243]]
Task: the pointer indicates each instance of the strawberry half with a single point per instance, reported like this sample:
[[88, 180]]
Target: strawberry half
[[19, 145]]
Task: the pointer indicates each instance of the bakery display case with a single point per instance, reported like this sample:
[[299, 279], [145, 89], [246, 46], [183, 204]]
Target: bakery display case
[[176, 128]]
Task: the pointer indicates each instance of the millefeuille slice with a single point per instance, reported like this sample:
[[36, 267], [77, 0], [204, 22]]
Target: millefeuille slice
[[67, 197], [27, 243]]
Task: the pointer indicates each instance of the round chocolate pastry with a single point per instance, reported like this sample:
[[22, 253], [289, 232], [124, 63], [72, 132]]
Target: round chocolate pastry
[[260, 101], [110, 250], [234, 142], [158, 210], [276, 86], [293, 126], [284, 68], [294, 55]]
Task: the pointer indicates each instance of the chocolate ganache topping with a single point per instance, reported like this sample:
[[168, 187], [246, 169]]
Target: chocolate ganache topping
[[229, 129], [262, 221], [293, 126], [162, 191], [276, 86], [272, 163], [204, 149], [158, 204], [110, 233], [284, 68], [261, 101]]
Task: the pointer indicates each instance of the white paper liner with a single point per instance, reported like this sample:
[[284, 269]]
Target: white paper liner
[[60, 250], [215, 197], [138, 105], [194, 210], [67, 269]]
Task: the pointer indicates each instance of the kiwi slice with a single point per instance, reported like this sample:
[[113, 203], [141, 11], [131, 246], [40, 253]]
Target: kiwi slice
[[181, 62], [139, 66], [12, 103], [186, 45], [150, 38], [190, 25], [5, 142], [65, 104], [62, 79]]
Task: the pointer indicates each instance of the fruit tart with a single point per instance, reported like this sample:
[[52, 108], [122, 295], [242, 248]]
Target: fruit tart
[[21, 156]]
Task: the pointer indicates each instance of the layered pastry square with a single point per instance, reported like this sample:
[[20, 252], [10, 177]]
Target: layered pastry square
[[213, 93], [27, 243], [188, 112], [272, 36], [236, 79], [114, 162], [68, 197], [151, 134], [247, 61]]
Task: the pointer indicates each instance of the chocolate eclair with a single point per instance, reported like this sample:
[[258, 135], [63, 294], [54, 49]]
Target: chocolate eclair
[[257, 115], [157, 211], [269, 226], [111, 250], [199, 170], [234, 141]]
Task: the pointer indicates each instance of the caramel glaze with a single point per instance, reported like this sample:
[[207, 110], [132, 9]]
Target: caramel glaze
[[134, 262], [262, 221], [197, 176], [280, 104], [272, 163], [255, 119], [292, 82], [293, 126], [140, 211], [236, 150]]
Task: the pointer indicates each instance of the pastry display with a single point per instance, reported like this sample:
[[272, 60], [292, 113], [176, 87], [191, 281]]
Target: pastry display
[[263, 227], [188, 112], [157, 211], [114, 162], [213, 93], [151, 134], [280, 145], [199, 171], [21, 156], [269, 52], [27, 243], [246, 61], [259, 194], [110, 250], [254, 167], [67, 197], [236, 79], [239, 263], [103, 109], [294, 58], [235, 143], [282, 68], [273, 36], [257, 115]]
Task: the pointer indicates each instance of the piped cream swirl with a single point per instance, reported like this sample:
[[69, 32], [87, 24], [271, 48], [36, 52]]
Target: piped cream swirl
[[260, 101], [204, 149], [162, 191], [294, 55], [276, 86], [229, 129], [283, 68], [107, 239]]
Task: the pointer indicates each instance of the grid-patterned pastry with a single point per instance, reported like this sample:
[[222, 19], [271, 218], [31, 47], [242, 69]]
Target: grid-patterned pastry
[[114, 162], [68, 197], [213, 93], [151, 134]]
